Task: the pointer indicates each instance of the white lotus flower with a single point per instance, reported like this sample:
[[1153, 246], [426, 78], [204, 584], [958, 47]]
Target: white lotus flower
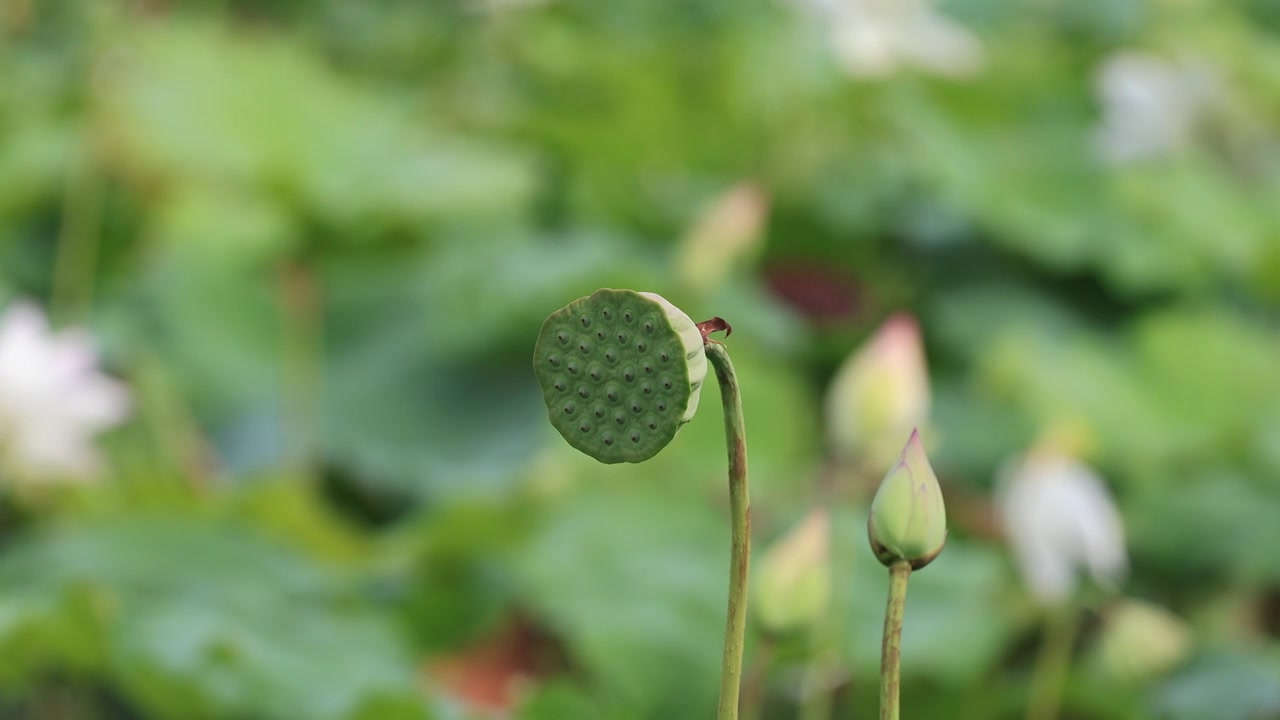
[[1150, 105], [53, 400], [875, 38], [1060, 520], [880, 394]]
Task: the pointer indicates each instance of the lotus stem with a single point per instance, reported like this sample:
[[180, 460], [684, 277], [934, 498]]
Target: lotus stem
[[891, 646], [740, 512]]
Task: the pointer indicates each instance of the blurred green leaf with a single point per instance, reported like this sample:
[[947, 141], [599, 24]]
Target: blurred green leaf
[[200, 619], [635, 584], [1230, 686]]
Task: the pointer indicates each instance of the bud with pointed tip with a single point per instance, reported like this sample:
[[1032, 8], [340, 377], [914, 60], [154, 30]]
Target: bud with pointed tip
[[793, 584], [908, 519]]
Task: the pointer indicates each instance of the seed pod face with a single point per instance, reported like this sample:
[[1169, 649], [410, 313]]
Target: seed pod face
[[621, 372]]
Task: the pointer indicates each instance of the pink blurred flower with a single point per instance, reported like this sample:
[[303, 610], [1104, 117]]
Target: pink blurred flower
[[880, 394], [727, 230], [53, 399]]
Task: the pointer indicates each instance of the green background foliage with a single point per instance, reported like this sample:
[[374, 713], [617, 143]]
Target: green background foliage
[[317, 239]]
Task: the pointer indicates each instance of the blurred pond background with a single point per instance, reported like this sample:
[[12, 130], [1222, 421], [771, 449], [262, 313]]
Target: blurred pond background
[[271, 273]]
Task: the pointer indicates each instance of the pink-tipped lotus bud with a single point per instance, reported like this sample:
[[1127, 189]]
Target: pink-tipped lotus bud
[[726, 232], [908, 519], [879, 394]]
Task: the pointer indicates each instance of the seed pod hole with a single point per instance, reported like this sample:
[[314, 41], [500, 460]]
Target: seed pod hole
[[628, 374], [585, 427], [586, 321], [584, 392], [569, 408], [635, 437], [628, 316], [641, 347], [607, 439]]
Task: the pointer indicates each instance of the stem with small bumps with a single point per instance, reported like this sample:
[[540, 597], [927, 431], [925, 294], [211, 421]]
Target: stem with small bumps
[[740, 512], [891, 645]]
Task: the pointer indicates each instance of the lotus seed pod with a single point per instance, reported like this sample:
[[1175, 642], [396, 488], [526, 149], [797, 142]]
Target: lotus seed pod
[[908, 519], [621, 372]]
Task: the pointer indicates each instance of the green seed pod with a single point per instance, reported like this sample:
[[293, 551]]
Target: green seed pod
[[621, 372]]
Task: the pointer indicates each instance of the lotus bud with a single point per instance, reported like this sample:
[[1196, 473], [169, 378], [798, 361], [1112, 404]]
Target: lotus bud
[[908, 519], [621, 372], [1141, 640], [793, 583], [879, 394], [728, 230]]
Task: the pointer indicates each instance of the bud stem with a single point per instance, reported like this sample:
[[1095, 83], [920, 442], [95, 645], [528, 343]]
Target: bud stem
[[740, 511], [891, 646], [1053, 664]]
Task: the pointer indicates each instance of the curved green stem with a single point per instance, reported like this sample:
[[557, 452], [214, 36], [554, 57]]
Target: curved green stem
[[740, 511], [891, 645]]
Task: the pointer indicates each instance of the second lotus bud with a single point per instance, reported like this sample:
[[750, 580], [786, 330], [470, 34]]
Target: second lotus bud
[[908, 518], [793, 585]]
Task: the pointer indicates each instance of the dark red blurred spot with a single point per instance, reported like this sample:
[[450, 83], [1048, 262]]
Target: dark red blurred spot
[[487, 676], [820, 293]]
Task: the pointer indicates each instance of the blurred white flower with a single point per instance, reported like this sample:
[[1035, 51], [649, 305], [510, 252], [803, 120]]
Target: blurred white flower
[[727, 229], [1060, 520], [53, 400], [875, 38], [880, 395], [1150, 105]]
